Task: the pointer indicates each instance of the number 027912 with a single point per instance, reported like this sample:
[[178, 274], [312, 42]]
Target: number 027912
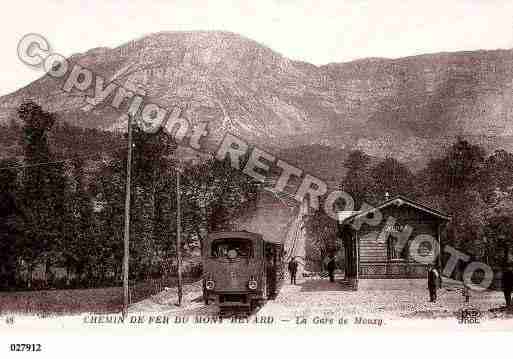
[[25, 347]]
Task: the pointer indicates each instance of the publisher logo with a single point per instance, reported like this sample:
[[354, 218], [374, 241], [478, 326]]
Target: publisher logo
[[470, 316]]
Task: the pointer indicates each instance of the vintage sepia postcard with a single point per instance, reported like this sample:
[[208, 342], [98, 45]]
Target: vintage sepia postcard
[[229, 167]]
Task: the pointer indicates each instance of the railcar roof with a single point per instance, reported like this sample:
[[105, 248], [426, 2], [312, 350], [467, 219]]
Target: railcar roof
[[239, 234], [234, 234]]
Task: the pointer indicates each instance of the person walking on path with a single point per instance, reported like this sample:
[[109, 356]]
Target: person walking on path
[[331, 266], [433, 281], [507, 283], [293, 270]]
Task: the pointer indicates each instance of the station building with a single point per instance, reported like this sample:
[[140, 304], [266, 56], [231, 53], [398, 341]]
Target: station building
[[388, 240]]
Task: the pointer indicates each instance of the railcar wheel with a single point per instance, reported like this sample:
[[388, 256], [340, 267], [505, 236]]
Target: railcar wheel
[[268, 293], [271, 289], [253, 305]]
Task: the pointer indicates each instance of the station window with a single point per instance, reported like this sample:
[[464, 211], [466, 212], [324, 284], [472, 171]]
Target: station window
[[395, 253]]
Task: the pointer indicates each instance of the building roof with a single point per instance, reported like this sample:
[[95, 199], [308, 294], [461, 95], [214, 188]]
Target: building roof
[[273, 216], [349, 216]]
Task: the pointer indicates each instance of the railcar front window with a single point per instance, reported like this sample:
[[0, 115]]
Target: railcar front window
[[232, 248]]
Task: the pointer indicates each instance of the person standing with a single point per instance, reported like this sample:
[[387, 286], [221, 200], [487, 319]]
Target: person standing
[[433, 280], [507, 283], [331, 266], [293, 270]]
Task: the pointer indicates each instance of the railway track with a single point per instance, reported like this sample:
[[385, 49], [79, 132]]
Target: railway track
[[240, 311]]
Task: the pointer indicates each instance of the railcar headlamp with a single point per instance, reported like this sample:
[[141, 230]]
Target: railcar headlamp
[[210, 284], [252, 284]]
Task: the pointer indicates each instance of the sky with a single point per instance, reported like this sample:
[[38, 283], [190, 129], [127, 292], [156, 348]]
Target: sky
[[318, 32]]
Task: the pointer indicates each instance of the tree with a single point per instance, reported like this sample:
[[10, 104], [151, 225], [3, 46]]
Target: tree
[[153, 205], [499, 169], [10, 223], [460, 178], [108, 193], [498, 230], [154, 170], [322, 238], [78, 222], [499, 239], [213, 194], [357, 181], [43, 184], [460, 170], [393, 177]]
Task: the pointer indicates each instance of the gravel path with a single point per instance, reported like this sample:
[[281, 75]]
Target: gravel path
[[387, 299]]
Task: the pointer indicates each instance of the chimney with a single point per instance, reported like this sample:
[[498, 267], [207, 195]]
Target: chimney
[[387, 196]]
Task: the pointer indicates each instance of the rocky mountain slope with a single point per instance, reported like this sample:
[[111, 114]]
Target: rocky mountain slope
[[409, 108]]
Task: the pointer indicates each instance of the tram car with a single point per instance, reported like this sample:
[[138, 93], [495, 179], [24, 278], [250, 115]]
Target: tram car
[[241, 269]]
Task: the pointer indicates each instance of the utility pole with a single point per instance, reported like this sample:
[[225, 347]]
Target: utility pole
[[126, 243], [178, 237]]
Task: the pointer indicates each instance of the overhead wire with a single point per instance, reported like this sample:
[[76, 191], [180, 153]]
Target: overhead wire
[[56, 162]]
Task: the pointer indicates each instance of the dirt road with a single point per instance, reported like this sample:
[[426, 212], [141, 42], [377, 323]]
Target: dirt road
[[388, 299]]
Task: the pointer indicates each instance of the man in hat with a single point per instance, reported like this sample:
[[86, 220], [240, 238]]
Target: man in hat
[[507, 283], [293, 270], [433, 281], [331, 266]]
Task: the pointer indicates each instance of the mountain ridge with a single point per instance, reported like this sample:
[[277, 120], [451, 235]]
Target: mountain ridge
[[409, 108]]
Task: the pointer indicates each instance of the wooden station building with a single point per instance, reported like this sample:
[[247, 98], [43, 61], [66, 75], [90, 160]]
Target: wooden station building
[[372, 250]]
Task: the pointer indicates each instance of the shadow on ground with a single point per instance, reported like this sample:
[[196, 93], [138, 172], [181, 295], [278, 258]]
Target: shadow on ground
[[501, 313], [493, 313], [431, 314], [324, 285], [227, 312]]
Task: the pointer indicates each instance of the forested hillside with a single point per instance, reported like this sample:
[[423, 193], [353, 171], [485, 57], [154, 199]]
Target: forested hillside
[[63, 191]]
